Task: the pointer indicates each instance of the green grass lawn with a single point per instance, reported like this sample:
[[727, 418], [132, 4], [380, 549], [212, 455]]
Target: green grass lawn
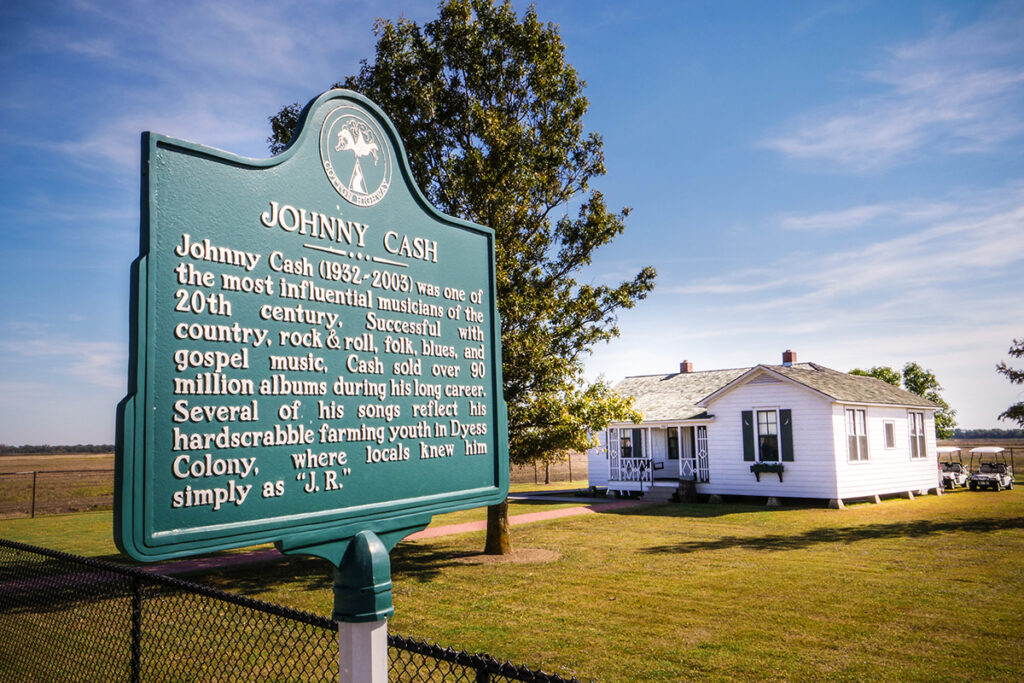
[[910, 590]]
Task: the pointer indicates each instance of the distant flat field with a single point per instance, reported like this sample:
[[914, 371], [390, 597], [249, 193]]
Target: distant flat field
[[45, 462], [973, 443]]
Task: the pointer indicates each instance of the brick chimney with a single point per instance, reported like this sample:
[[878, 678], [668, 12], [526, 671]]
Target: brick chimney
[[685, 367], [788, 357]]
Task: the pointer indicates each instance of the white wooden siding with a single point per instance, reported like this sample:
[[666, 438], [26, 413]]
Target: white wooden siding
[[887, 470], [812, 474]]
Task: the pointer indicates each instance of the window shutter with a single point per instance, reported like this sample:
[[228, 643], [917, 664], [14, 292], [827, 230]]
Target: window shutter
[[748, 435], [786, 433]]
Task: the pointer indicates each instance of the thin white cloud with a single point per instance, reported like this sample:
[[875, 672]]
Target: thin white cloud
[[163, 67], [98, 363], [822, 13], [937, 270], [949, 316], [899, 213], [195, 119], [958, 90]]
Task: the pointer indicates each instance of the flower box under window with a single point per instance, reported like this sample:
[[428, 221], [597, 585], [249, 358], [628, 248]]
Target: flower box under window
[[759, 468]]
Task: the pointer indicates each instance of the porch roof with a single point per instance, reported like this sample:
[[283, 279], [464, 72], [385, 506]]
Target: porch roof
[[675, 396]]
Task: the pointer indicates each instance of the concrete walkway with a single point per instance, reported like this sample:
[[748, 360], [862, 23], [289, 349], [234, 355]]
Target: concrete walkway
[[525, 518], [237, 559]]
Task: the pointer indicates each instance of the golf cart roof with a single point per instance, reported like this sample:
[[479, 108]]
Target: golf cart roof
[[947, 449], [988, 449]]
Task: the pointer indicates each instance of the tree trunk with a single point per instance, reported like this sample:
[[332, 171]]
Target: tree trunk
[[499, 542]]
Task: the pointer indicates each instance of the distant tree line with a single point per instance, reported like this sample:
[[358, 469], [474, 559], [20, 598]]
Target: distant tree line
[[988, 433], [57, 450]]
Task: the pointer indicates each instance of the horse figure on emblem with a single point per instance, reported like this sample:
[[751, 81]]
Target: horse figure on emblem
[[356, 137]]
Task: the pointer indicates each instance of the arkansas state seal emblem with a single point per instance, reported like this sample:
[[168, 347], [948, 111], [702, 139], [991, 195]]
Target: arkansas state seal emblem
[[355, 155]]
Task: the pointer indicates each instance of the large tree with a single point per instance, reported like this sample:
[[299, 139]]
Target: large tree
[[492, 120], [917, 380], [1016, 376], [924, 383]]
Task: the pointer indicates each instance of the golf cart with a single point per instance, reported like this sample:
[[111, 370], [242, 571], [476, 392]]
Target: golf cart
[[993, 472], [952, 472]]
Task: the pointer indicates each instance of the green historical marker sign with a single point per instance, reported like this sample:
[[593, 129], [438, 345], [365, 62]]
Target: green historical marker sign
[[315, 349]]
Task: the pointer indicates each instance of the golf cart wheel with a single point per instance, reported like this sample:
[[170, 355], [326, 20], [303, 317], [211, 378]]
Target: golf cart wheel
[[973, 486], [1009, 485], [997, 485]]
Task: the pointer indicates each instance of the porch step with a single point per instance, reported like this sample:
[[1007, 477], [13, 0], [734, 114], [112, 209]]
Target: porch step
[[660, 493]]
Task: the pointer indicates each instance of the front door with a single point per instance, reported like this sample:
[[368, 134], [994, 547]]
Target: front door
[[672, 462]]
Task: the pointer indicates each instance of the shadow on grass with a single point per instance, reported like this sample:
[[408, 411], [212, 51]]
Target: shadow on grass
[[697, 510], [306, 573], [915, 529], [298, 572]]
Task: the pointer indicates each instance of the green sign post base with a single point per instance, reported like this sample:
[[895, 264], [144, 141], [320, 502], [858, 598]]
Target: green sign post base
[[362, 596], [362, 603], [362, 564], [362, 581]]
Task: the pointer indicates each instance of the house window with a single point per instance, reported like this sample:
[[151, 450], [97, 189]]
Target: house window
[[889, 429], [673, 443], [915, 421], [856, 434], [768, 435], [632, 443]]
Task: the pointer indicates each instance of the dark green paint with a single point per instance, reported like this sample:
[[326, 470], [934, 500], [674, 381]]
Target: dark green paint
[[786, 434], [226, 199], [748, 435]]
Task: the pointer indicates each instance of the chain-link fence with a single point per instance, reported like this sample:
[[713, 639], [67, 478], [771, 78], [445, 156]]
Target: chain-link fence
[[70, 618]]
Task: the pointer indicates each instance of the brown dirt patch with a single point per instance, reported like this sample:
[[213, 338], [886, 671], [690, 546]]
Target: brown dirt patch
[[518, 556]]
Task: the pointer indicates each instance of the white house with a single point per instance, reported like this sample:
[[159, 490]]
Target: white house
[[796, 430]]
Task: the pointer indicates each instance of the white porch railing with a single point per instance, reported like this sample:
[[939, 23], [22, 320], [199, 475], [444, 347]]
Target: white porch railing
[[634, 469], [688, 468]]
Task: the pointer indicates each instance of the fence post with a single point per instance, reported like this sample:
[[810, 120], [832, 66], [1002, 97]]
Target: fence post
[[482, 676], [34, 473], [136, 644]]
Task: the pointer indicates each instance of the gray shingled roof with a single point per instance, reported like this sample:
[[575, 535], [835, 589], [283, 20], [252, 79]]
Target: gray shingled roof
[[675, 396], [842, 386]]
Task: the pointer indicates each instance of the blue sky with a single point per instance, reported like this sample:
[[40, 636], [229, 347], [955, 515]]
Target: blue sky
[[844, 178]]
